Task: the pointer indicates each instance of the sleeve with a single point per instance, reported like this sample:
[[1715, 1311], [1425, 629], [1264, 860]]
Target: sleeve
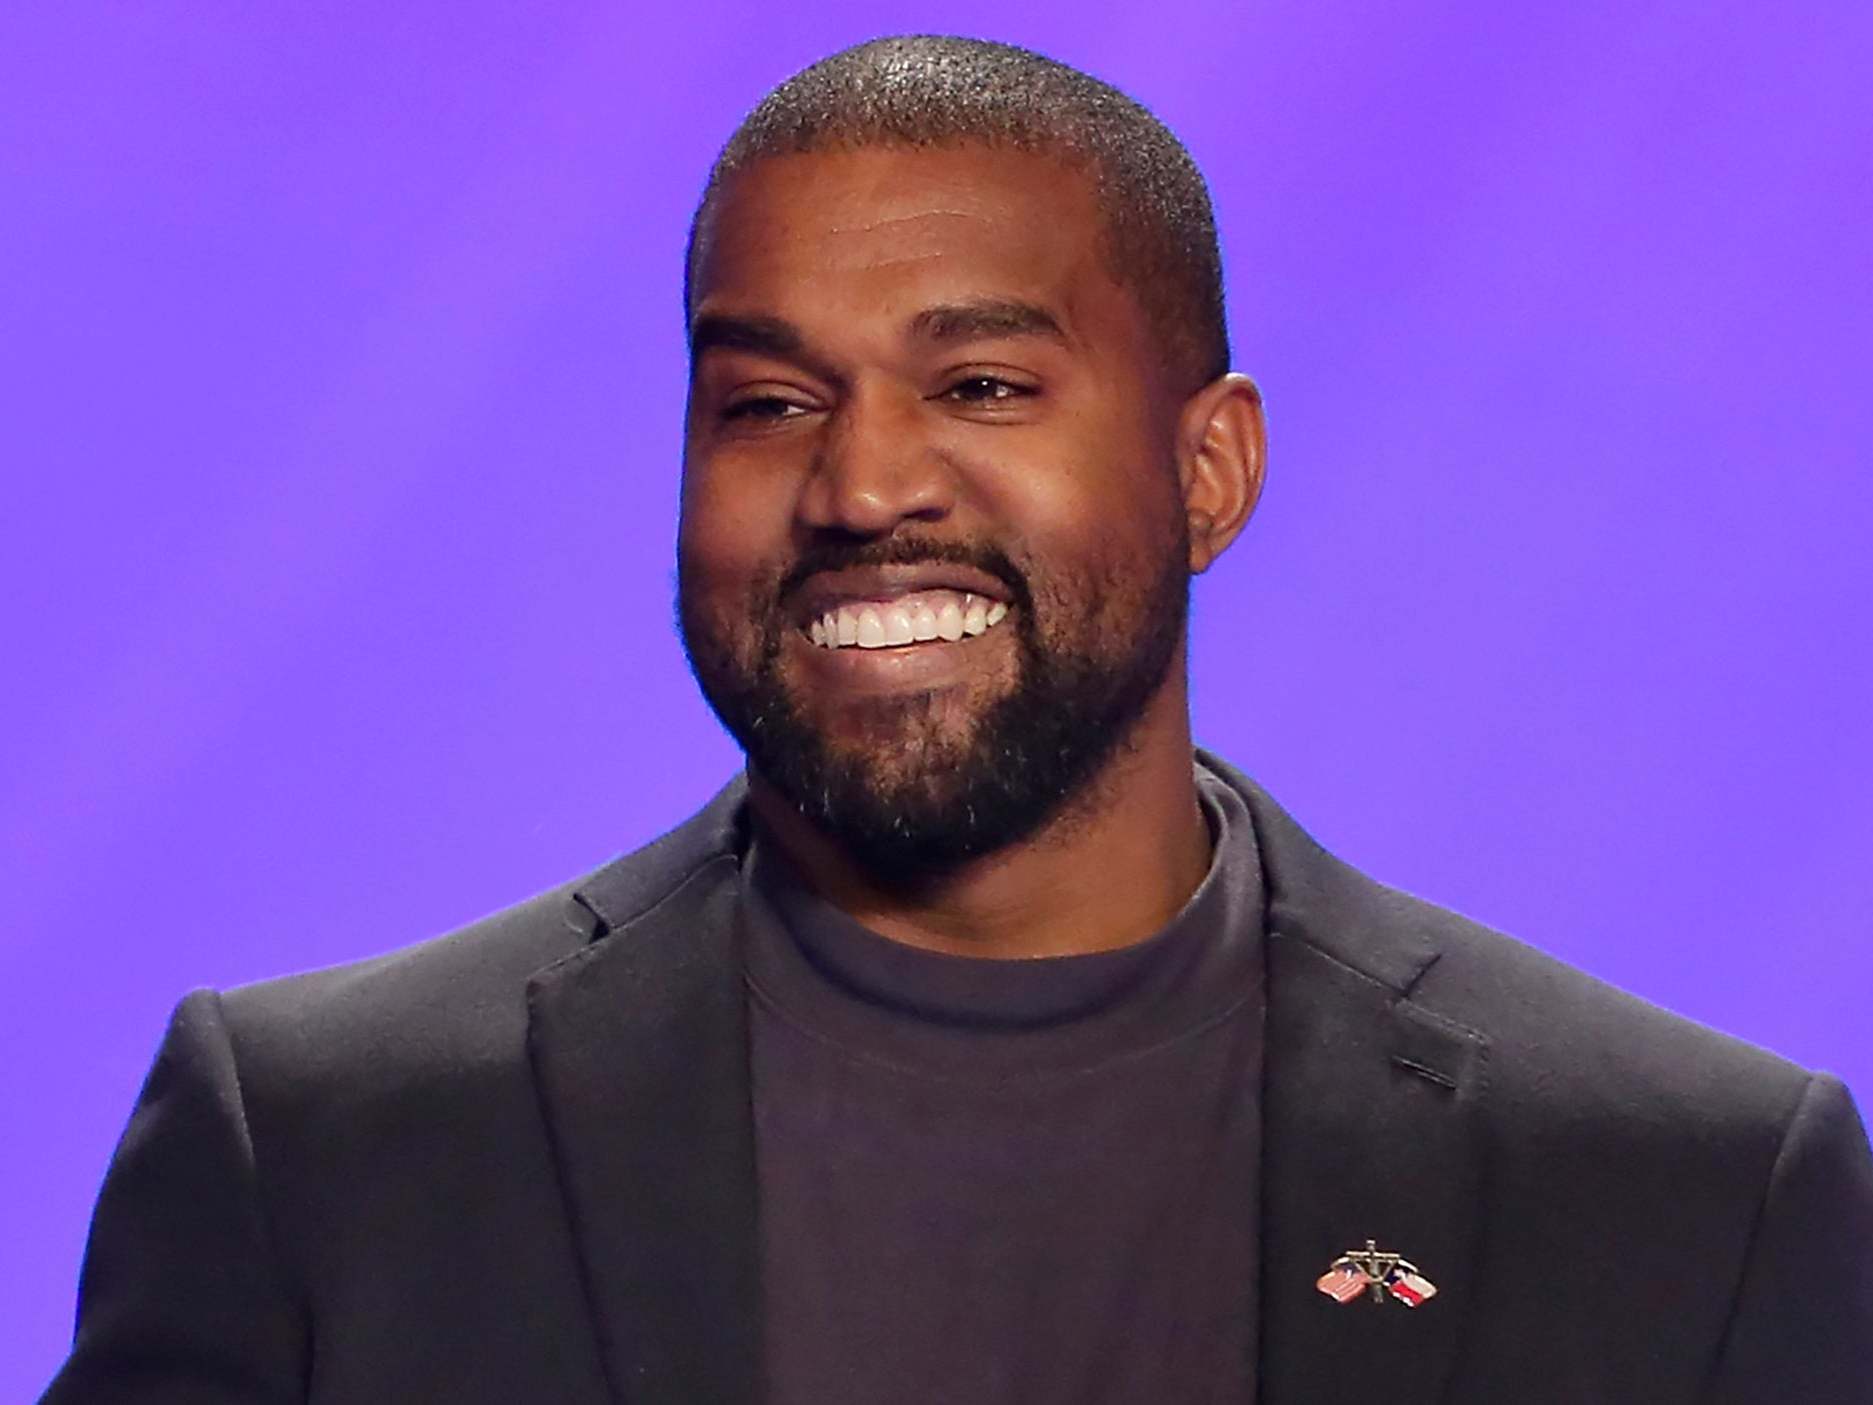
[[180, 1297], [1801, 1327]]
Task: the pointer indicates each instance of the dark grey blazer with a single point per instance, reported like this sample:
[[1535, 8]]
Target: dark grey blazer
[[516, 1165]]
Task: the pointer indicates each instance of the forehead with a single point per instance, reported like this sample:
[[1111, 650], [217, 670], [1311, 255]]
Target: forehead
[[876, 233]]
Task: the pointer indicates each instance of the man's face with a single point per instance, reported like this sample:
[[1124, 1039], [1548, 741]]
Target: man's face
[[933, 559]]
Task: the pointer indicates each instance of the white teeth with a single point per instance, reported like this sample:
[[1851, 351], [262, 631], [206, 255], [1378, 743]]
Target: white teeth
[[921, 617], [950, 621]]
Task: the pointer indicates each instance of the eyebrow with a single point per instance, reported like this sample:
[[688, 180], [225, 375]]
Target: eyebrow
[[945, 324], [771, 336], [983, 319]]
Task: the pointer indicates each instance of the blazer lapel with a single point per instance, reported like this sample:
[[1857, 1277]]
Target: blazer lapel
[[1368, 1136], [1369, 1133], [639, 1051]]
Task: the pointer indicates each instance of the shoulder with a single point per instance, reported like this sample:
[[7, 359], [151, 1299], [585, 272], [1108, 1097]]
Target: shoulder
[[1568, 1051], [1553, 1033], [461, 997]]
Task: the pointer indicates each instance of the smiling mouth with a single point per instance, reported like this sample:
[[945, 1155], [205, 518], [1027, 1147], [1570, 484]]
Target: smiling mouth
[[920, 617]]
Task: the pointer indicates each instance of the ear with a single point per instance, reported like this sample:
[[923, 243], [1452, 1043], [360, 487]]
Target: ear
[[1222, 448]]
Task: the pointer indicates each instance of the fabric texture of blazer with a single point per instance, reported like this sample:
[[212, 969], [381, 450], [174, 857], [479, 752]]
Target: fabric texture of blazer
[[516, 1164]]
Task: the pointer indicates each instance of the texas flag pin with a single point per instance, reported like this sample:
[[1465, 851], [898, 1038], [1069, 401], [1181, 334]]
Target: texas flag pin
[[1375, 1273]]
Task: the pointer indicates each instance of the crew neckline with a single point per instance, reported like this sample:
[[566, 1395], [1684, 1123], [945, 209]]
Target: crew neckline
[[945, 1014]]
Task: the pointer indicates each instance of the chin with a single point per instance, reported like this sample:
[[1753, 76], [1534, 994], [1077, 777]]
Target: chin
[[895, 723]]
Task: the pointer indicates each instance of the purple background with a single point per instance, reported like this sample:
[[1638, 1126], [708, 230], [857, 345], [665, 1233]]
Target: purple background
[[342, 371]]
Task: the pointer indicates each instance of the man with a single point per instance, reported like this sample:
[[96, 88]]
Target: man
[[986, 1044]]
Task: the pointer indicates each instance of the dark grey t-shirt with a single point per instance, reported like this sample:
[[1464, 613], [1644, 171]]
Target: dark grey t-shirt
[[1009, 1181]]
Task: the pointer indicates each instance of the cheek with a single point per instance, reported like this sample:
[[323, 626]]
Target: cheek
[[1095, 584], [1096, 512], [727, 536], [715, 588]]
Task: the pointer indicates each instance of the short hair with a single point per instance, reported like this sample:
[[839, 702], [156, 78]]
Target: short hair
[[914, 91]]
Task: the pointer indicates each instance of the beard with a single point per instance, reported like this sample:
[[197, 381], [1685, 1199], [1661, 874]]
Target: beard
[[905, 790]]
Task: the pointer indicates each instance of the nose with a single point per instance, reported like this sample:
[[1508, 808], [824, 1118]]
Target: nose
[[875, 468]]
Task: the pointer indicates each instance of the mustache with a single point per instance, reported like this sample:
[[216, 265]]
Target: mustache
[[832, 555]]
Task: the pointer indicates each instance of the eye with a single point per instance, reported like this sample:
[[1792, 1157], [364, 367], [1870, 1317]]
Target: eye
[[762, 409], [986, 390]]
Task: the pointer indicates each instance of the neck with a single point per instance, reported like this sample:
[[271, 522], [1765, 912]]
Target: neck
[[1111, 869]]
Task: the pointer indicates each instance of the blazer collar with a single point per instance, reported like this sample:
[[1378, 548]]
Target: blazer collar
[[1369, 1129], [638, 1044], [639, 1051]]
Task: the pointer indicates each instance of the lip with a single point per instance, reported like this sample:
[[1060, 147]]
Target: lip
[[827, 590]]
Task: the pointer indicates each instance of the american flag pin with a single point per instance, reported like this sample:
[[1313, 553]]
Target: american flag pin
[[1377, 1274]]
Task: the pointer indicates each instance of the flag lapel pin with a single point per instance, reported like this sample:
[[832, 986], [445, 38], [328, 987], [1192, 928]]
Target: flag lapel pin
[[1377, 1274]]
